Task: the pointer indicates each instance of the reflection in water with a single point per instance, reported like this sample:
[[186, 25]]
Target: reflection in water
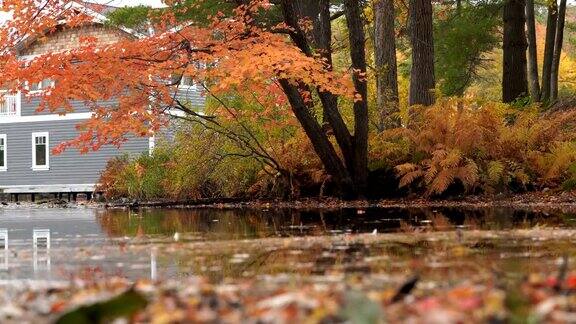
[[42, 262], [4, 254], [219, 244], [41, 239], [153, 264], [41, 258], [4, 238], [212, 224], [4, 259]]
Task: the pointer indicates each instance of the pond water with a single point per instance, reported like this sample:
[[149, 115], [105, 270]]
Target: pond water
[[446, 243]]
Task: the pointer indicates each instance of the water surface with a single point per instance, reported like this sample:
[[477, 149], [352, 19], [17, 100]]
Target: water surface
[[220, 244]]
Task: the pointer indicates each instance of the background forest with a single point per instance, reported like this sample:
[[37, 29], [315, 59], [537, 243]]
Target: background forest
[[460, 98]]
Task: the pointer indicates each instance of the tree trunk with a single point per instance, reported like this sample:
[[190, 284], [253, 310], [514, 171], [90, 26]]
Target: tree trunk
[[532, 52], [350, 181], [322, 145], [329, 102], [514, 79], [331, 117], [385, 63], [549, 50], [358, 55], [310, 10], [320, 38], [559, 40], [422, 40]]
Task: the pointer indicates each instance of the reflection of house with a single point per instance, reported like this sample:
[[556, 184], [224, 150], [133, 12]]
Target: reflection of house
[[26, 137]]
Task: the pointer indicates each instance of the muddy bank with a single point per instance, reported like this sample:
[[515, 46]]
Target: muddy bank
[[49, 204], [538, 200], [565, 201]]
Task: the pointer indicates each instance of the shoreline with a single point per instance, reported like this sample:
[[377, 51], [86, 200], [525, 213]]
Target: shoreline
[[534, 200]]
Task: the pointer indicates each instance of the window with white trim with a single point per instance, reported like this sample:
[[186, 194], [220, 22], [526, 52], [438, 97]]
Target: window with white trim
[[43, 85], [187, 81], [183, 81], [9, 104], [40, 151], [3, 152]]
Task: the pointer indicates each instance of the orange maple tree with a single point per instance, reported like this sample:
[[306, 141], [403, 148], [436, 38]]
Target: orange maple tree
[[129, 84]]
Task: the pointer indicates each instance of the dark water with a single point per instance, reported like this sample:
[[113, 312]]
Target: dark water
[[219, 244]]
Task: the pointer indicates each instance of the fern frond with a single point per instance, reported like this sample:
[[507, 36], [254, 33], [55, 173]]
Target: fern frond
[[405, 168], [495, 172], [441, 182], [431, 173], [521, 176], [452, 159], [468, 174], [410, 177]]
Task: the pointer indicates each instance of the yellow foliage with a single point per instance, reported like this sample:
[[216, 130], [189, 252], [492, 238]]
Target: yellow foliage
[[479, 145]]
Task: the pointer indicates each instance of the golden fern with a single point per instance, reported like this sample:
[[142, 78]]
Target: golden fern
[[408, 173], [562, 155], [488, 145], [495, 172]]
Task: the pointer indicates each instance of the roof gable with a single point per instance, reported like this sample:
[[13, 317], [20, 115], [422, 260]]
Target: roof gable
[[95, 11]]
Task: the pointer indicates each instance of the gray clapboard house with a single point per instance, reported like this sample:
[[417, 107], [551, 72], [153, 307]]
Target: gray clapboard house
[[27, 137]]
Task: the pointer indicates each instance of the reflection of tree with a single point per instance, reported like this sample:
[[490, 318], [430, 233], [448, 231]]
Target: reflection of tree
[[246, 223], [221, 224]]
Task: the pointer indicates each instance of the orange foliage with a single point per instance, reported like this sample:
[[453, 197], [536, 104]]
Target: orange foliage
[[231, 53]]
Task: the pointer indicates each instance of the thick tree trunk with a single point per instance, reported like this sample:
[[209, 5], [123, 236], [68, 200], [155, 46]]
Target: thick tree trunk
[[358, 55], [320, 39], [422, 40], [514, 80], [331, 115], [549, 50], [532, 52], [329, 101], [559, 40], [310, 9], [322, 145], [385, 63]]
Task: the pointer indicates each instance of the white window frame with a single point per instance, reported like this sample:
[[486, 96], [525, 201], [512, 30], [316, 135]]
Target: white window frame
[[184, 79], [151, 145], [18, 102], [41, 167], [187, 79], [5, 139], [41, 90]]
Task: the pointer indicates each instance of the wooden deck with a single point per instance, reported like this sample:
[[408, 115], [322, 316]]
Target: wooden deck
[[76, 188]]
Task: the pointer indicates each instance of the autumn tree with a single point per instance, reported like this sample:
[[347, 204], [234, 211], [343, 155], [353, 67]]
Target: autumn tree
[[240, 50]]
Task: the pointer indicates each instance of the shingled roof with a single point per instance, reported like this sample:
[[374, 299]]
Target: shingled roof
[[103, 9]]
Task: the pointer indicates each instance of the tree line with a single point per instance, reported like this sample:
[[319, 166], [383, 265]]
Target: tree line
[[300, 59]]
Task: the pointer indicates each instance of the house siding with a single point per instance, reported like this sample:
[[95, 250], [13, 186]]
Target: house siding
[[70, 167], [30, 104], [192, 97]]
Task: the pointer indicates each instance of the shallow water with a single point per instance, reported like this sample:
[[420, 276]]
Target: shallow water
[[444, 243]]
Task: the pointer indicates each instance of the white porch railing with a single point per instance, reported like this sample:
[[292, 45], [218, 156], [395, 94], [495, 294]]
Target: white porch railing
[[9, 105]]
